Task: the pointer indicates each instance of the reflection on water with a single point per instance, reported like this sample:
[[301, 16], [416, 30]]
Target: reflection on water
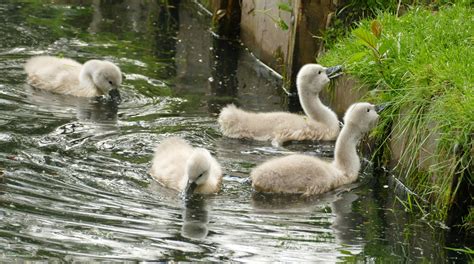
[[195, 218], [95, 110], [73, 172]]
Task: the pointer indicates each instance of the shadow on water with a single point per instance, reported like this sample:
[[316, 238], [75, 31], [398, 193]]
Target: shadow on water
[[74, 180]]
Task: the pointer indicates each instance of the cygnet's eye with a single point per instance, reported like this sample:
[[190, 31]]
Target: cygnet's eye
[[200, 175], [320, 72], [368, 110], [111, 83]]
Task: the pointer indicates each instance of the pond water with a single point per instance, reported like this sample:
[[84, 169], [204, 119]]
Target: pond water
[[75, 185]]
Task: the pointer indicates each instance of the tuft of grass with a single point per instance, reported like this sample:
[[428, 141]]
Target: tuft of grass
[[422, 64], [463, 250]]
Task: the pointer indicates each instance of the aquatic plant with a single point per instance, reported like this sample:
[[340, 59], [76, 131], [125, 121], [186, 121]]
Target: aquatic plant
[[421, 64]]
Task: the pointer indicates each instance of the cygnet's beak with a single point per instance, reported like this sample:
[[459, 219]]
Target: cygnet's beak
[[379, 108], [333, 72], [190, 187], [115, 96]]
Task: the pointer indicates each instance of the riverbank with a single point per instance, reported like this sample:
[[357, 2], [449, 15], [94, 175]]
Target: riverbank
[[421, 65]]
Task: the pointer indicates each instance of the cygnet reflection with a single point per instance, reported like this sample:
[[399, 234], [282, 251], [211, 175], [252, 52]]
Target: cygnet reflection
[[97, 111], [195, 217], [283, 202], [336, 205], [195, 214], [88, 110], [346, 222]]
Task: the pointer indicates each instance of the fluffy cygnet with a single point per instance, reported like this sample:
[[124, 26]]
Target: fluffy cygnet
[[320, 122], [179, 166], [66, 76], [310, 175]]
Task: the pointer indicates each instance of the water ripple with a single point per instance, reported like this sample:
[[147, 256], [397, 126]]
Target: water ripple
[[74, 182]]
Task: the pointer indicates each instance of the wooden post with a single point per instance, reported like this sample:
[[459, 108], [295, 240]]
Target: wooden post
[[226, 16], [285, 50], [311, 18]]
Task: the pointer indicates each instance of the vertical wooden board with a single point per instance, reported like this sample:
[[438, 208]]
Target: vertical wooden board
[[311, 25], [248, 26], [311, 19], [226, 18], [261, 33]]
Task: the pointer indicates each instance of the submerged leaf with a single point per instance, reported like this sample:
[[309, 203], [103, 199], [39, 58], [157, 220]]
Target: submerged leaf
[[346, 252]]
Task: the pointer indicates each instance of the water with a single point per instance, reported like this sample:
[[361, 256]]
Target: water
[[75, 184]]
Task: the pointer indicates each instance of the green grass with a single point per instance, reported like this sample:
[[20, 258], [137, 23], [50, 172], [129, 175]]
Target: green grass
[[466, 250], [421, 63]]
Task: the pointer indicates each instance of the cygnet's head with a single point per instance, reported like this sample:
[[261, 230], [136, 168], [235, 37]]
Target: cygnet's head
[[106, 76], [198, 167], [314, 77], [362, 115]]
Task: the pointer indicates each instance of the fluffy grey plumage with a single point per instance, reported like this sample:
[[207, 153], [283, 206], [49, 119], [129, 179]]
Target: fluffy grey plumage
[[66, 76], [310, 175], [320, 122], [176, 165]]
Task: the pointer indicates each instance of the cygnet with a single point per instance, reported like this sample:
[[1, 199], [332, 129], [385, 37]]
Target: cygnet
[[310, 175], [179, 166], [320, 122], [66, 76]]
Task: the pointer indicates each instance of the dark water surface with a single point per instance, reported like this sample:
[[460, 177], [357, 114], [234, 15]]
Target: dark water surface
[[75, 184]]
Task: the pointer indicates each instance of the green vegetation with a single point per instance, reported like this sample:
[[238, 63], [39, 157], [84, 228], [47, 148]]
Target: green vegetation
[[468, 251], [279, 22], [421, 64], [351, 11]]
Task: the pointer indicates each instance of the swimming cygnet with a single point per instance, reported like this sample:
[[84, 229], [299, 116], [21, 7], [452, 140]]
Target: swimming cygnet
[[310, 175], [179, 166], [66, 76], [320, 122]]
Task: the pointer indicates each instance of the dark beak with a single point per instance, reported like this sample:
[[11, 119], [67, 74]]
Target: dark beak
[[115, 96], [333, 72], [379, 108], [190, 187]]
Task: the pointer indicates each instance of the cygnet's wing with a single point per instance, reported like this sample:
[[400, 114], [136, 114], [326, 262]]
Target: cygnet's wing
[[169, 161], [237, 123], [53, 74], [293, 174]]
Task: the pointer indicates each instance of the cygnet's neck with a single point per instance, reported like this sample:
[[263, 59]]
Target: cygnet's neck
[[86, 82], [316, 110], [345, 153]]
